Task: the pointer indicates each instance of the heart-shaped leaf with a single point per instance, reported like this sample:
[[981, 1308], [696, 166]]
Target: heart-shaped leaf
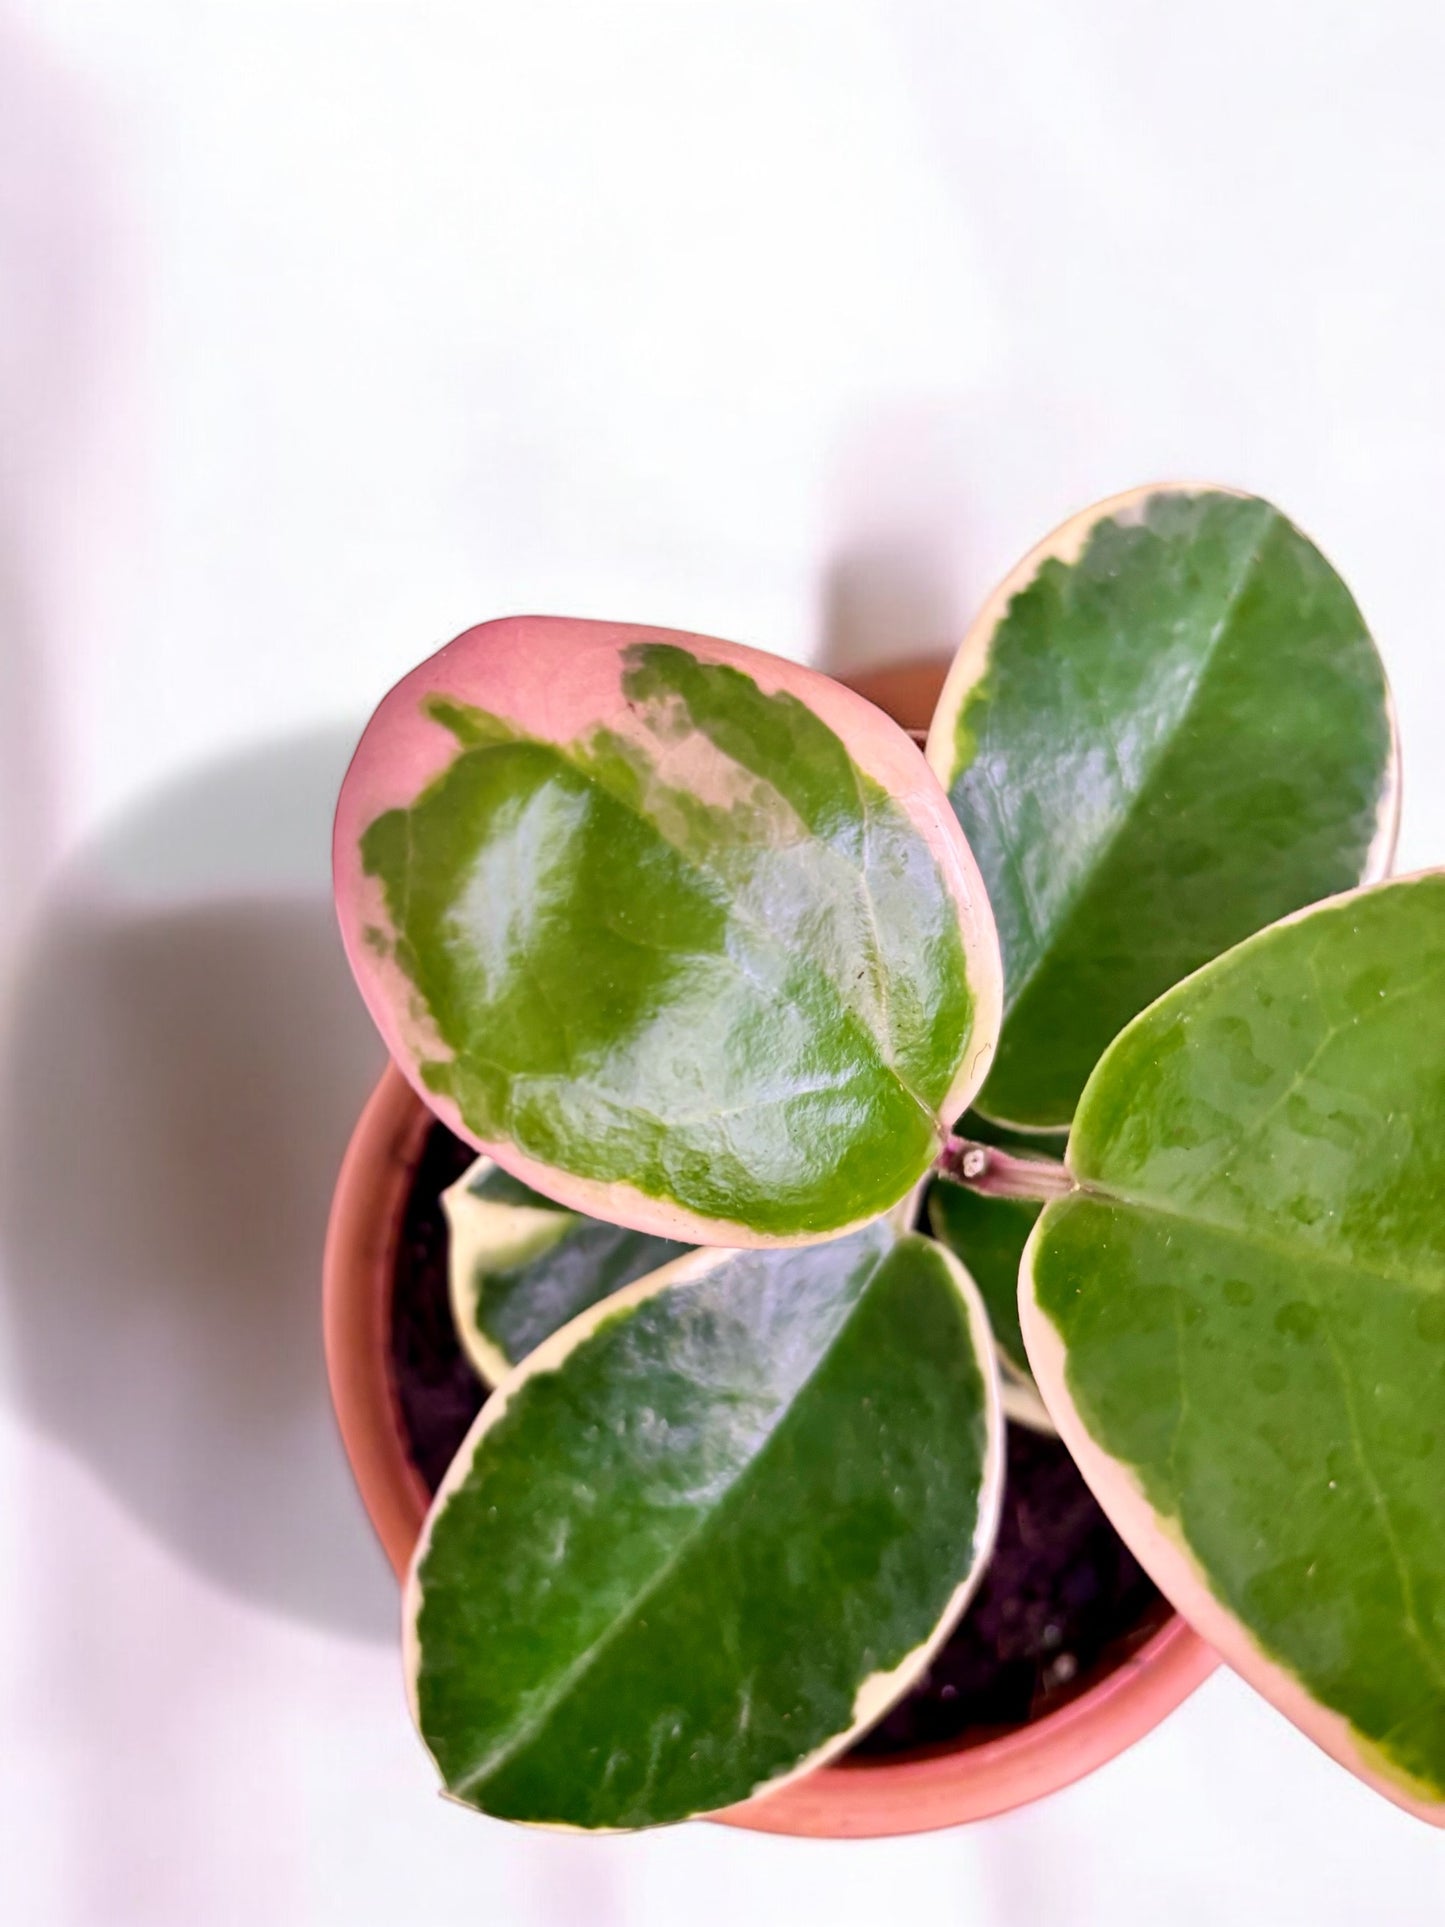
[[1238, 1319], [707, 1533], [521, 1266], [1167, 728], [684, 935]]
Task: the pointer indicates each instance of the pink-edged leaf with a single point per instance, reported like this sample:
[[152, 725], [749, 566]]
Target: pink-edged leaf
[[684, 935]]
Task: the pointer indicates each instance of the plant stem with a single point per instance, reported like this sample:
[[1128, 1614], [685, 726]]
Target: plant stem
[[999, 1174]]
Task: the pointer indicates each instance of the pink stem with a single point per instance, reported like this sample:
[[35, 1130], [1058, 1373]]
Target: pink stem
[[999, 1174]]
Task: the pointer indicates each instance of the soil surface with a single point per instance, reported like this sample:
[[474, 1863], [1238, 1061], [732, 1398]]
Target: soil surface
[[1063, 1599]]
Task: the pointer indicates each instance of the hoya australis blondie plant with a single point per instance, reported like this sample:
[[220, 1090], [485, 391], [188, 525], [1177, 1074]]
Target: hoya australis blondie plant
[[690, 944]]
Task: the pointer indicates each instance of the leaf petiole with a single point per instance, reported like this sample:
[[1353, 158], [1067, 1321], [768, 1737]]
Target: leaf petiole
[[999, 1174]]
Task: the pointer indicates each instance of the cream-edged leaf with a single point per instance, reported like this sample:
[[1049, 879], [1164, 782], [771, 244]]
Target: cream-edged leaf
[[1237, 1320], [707, 1533], [520, 1267], [1166, 729]]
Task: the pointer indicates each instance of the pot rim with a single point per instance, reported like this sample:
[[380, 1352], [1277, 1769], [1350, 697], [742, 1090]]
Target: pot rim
[[913, 1793]]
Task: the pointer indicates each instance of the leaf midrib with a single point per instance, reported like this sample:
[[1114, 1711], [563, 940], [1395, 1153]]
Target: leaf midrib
[[538, 1716], [1099, 1191], [1124, 822]]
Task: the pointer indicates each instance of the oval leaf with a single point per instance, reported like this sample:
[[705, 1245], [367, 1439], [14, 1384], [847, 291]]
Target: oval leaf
[[1167, 728], [521, 1266], [682, 934], [1238, 1320], [707, 1533]]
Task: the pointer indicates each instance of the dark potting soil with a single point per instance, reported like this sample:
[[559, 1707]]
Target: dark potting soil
[[1063, 1599]]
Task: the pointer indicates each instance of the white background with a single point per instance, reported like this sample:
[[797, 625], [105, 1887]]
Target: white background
[[326, 330]]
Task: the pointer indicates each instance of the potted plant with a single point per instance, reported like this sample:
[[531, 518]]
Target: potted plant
[[697, 949]]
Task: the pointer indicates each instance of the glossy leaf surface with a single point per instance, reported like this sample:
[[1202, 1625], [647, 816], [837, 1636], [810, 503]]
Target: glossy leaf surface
[[521, 1266], [1166, 730], [988, 1236], [1238, 1320], [707, 1533], [683, 934]]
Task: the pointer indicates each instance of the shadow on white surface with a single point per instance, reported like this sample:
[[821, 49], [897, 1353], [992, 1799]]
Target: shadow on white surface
[[183, 1061], [57, 301], [885, 600], [897, 584]]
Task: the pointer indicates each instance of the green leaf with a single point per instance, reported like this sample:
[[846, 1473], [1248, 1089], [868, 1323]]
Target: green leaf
[[1168, 728], [707, 1533], [682, 934], [522, 1266], [1238, 1319], [1037, 1142], [988, 1235]]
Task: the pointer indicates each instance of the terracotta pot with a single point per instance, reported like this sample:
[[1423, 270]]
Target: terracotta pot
[[911, 1794]]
